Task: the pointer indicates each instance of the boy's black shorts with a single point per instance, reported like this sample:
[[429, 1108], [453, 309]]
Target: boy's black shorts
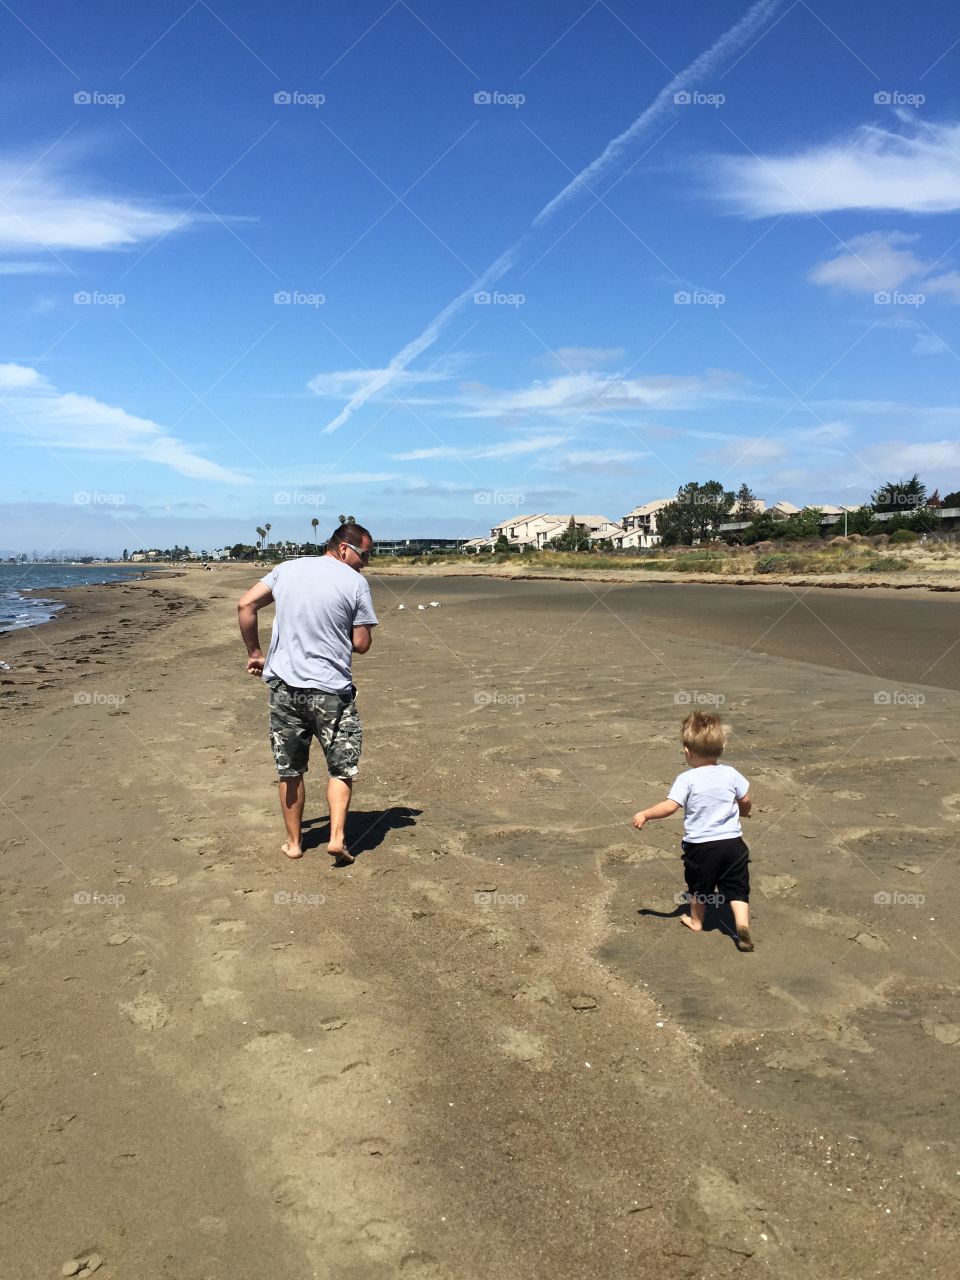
[[718, 866]]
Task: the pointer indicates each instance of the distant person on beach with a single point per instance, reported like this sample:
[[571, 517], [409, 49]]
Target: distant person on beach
[[324, 616], [713, 797]]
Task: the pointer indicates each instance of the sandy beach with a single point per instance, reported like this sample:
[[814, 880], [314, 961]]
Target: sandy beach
[[488, 1047]]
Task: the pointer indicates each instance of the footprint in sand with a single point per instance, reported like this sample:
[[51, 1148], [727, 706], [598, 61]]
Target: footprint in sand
[[944, 1032], [220, 995], [522, 1046], [147, 1011], [229, 926], [165, 881], [374, 1147], [776, 886]]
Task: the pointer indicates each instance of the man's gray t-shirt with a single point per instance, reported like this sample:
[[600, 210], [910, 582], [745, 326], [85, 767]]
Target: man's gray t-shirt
[[319, 602]]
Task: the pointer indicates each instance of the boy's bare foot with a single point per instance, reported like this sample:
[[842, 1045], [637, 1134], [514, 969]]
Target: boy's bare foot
[[691, 924], [744, 941], [342, 856], [292, 851]]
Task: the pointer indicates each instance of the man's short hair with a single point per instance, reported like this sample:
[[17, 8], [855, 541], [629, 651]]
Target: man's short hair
[[704, 735], [352, 533]]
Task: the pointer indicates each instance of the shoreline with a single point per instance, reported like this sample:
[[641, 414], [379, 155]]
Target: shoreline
[[853, 582]]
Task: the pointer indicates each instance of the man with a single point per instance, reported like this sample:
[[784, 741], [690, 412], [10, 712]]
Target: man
[[324, 616]]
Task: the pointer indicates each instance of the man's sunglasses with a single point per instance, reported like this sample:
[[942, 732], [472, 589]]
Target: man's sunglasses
[[364, 555]]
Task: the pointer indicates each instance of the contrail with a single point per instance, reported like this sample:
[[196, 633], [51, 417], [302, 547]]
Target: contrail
[[703, 65]]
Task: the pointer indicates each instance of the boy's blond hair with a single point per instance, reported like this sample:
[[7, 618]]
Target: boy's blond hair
[[704, 735]]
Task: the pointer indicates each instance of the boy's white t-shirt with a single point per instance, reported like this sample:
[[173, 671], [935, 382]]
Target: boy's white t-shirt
[[708, 795]]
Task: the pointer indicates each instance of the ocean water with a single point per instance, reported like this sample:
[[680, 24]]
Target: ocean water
[[18, 610]]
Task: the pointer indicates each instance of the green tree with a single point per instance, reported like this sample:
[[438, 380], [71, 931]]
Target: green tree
[[802, 525], [501, 546], [952, 499], [901, 496], [745, 502], [696, 514], [863, 520], [126, 555], [575, 537], [313, 525], [261, 534]]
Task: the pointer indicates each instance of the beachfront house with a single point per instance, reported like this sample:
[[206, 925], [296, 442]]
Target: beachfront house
[[477, 546], [639, 526], [537, 531]]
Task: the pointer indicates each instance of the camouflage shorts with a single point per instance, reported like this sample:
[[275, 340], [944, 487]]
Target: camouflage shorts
[[299, 715]]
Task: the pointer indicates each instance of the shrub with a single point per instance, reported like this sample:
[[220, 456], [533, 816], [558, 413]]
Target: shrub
[[884, 564], [702, 561], [779, 563], [903, 535]]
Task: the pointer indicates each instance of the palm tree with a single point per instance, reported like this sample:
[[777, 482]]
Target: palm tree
[[266, 529], [261, 534], [313, 524], [348, 519]]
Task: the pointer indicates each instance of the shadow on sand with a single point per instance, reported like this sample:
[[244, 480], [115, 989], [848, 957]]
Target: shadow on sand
[[366, 829], [718, 919]]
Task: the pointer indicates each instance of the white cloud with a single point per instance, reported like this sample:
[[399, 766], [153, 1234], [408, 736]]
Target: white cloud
[[915, 171], [870, 262], [344, 384], [948, 284], [35, 412], [929, 344], [43, 209], [900, 457], [28, 268], [579, 358], [581, 395], [508, 449]]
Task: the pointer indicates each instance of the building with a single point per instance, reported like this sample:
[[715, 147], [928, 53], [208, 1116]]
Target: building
[[415, 546], [536, 531], [639, 526]]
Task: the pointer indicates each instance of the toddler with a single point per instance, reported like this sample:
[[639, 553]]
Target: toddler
[[713, 797]]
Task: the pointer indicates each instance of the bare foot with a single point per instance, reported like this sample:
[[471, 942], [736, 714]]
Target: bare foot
[[342, 856], [292, 851], [744, 941], [691, 924]]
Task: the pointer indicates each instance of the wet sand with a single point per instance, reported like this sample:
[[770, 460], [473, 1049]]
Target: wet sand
[[488, 1046]]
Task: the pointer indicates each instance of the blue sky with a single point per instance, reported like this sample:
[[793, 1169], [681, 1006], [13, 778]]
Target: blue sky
[[222, 228]]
